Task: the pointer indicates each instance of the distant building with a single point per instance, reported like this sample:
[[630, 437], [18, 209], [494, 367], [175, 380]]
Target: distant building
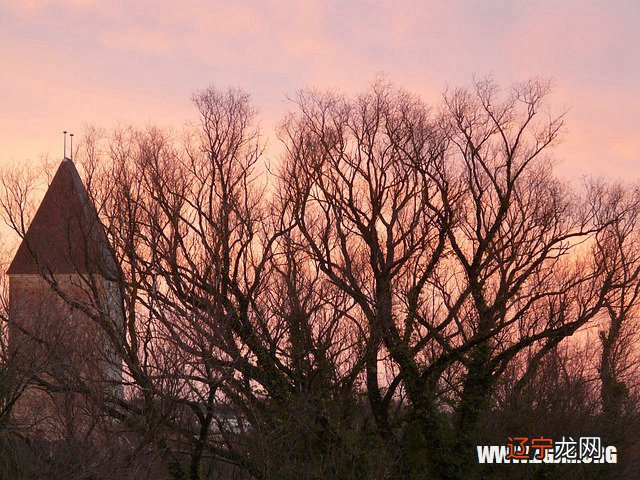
[[62, 275]]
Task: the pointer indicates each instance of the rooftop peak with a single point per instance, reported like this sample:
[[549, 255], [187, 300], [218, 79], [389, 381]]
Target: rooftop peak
[[65, 235]]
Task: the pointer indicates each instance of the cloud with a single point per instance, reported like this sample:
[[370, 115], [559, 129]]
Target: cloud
[[83, 60], [146, 42]]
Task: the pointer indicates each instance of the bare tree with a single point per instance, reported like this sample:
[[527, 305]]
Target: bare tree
[[617, 248], [453, 238], [233, 346]]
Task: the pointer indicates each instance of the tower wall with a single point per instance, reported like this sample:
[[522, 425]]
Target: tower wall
[[62, 351]]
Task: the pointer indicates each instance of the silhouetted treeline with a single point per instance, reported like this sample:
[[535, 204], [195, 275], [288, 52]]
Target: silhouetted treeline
[[405, 282]]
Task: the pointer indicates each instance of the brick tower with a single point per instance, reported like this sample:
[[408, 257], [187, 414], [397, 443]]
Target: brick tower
[[62, 294]]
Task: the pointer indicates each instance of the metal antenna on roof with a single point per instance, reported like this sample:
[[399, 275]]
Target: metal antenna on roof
[[71, 157], [65, 145]]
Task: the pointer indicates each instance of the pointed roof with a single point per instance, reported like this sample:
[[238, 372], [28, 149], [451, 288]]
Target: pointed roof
[[65, 235]]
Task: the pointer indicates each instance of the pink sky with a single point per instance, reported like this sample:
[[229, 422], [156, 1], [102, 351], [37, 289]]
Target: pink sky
[[66, 63]]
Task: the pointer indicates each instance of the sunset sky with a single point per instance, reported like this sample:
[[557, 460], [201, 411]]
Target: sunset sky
[[67, 63]]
